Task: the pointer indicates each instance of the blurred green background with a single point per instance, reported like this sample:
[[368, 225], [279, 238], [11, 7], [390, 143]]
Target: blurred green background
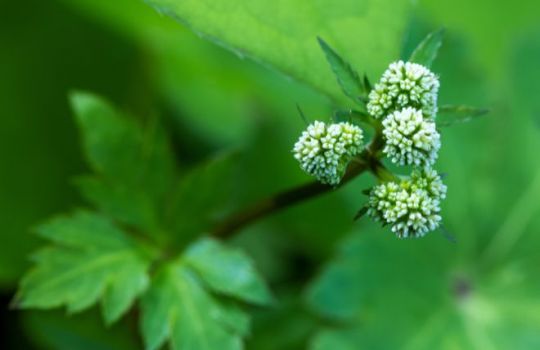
[[482, 292]]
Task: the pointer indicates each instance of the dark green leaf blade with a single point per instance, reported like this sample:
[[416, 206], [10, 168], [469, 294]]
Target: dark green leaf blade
[[349, 115], [426, 51], [346, 76], [57, 331], [450, 114], [202, 196], [341, 116], [228, 271], [89, 260]]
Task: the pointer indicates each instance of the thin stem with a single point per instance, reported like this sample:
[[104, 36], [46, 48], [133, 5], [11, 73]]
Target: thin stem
[[368, 161]]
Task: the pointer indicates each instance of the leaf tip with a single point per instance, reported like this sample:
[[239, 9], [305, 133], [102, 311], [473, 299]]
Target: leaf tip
[[79, 98]]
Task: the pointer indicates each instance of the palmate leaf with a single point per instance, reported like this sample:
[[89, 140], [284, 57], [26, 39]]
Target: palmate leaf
[[346, 76], [92, 260], [181, 308], [449, 114], [134, 166], [393, 295], [283, 33], [426, 51], [89, 261]]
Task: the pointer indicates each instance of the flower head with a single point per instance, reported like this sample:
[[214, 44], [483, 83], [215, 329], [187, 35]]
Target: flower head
[[412, 206], [404, 85], [410, 138], [324, 151]]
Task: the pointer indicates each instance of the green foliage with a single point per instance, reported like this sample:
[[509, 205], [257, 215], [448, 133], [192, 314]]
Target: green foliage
[[283, 33], [90, 260], [180, 307], [449, 115], [376, 293], [428, 301], [134, 167], [227, 271], [201, 196], [39, 151], [346, 76], [94, 258], [113, 143], [426, 51]]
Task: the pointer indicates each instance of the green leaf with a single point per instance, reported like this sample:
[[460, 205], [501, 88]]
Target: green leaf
[[282, 33], [377, 281], [449, 115], [228, 271], [202, 196], [89, 260], [177, 308], [134, 165], [346, 76], [131, 207], [426, 52], [121, 150]]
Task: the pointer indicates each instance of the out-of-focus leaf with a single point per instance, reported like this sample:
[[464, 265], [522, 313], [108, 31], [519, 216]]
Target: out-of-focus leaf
[[135, 166], [89, 260], [114, 145], [283, 33], [178, 309], [426, 52], [353, 116], [39, 153], [345, 74], [121, 202], [228, 271], [428, 302], [341, 116], [202, 196], [449, 115]]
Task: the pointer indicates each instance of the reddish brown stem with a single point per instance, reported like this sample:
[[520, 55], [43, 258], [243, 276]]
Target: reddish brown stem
[[366, 162]]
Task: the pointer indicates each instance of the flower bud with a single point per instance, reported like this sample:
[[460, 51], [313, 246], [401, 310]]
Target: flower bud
[[412, 206], [404, 85], [324, 151], [410, 139]]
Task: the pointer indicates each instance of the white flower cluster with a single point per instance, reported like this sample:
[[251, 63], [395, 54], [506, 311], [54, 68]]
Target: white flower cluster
[[412, 206], [406, 99], [410, 138], [404, 85], [324, 151]]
